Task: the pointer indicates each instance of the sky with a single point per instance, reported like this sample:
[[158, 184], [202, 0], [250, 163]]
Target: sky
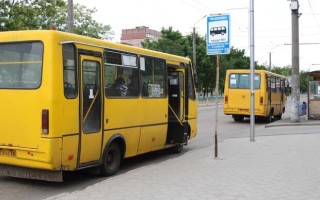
[[272, 23]]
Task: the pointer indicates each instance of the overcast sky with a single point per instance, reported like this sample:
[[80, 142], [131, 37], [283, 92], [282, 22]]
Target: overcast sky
[[272, 23]]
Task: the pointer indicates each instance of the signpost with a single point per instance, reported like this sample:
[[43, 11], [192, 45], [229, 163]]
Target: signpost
[[218, 34], [218, 42]]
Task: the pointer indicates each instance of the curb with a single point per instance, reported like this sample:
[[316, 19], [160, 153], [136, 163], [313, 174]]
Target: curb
[[304, 123]]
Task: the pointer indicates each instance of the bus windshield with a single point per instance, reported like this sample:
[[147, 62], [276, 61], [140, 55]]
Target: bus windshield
[[242, 81], [21, 65]]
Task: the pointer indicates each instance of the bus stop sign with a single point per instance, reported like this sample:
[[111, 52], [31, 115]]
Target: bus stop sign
[[218, 34]]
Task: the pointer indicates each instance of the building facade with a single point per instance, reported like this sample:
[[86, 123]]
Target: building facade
[[135, 36]]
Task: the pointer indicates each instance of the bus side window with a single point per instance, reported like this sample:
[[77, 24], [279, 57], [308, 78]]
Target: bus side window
[[121, 75], [273, 84], [69, 71], [153, 77]]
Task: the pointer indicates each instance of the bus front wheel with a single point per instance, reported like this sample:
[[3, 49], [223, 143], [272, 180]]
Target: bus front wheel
[[278, 116], [178, 148], [111, 160], [269, 117]]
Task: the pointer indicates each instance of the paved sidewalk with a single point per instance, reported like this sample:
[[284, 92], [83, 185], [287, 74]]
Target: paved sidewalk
[[274, 167]]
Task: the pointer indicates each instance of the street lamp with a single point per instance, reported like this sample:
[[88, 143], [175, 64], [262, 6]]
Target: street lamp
[[194, 42], [276, 46], [70, 16]]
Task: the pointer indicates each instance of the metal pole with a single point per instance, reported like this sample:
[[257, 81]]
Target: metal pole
[[70, 16], [217, 106], [270, 61], [194, 47], [252, 117], [194, 42], [295, 93]]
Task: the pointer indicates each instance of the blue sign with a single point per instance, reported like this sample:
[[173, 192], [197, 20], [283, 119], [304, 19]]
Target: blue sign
[[218, 34]]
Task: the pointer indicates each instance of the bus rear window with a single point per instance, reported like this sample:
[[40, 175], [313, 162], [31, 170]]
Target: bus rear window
[[242, 81], [21, 65]]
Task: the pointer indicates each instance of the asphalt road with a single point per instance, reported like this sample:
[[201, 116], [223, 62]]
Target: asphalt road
[[14, 188]]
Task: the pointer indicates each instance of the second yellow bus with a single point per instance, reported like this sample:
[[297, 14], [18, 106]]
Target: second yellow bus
[[269, 92]]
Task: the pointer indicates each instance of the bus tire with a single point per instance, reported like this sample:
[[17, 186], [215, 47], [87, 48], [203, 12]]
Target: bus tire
[[111, 159], [178, 148], [278, 116], [269, 117], [238, 118]]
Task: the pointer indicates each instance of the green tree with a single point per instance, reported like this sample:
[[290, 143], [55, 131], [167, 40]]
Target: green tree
[[285, 71], [44, 14], [171, 42], [303, 82]]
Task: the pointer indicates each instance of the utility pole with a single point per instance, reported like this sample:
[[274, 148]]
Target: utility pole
[[194, 47], [295, 79], [194, 43], [70, 16], [270, 61], [252, 116]]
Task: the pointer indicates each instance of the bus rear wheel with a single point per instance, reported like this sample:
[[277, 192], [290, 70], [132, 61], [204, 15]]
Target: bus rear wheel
[[111, 160], [238, 118]]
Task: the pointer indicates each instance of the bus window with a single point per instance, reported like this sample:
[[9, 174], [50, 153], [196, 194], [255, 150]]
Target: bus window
[[190, 84], [69, 71], [153, 73], [278, 85], [91, 107], [121, 75], [273, 84], [21, 65], [242, 81]]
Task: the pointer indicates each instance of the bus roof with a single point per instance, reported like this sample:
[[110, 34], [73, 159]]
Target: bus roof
[[64, 37], [256, 71]]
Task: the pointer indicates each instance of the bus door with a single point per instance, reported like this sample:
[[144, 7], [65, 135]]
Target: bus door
[[269, 94], [90, 110], [176, 126], [282, 88]]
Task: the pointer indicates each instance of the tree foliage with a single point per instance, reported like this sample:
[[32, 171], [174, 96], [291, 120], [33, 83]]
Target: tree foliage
[[44, 14], [171, 42]]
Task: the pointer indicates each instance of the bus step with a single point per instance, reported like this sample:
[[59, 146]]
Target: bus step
[[28, 173]]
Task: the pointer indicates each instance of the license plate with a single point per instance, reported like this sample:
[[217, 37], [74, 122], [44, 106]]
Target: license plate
[[8, 152]]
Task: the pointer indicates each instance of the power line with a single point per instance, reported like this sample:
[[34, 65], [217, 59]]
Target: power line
[[185, 2], [206, 7], [305, 43], [313, 14]]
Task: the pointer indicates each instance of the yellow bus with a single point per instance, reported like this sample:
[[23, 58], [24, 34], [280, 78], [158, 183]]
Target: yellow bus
[[269, 93], [70, 102]]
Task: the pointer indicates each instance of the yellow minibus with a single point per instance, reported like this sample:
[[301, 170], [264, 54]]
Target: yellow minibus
[[70, 102], [269, 93]]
